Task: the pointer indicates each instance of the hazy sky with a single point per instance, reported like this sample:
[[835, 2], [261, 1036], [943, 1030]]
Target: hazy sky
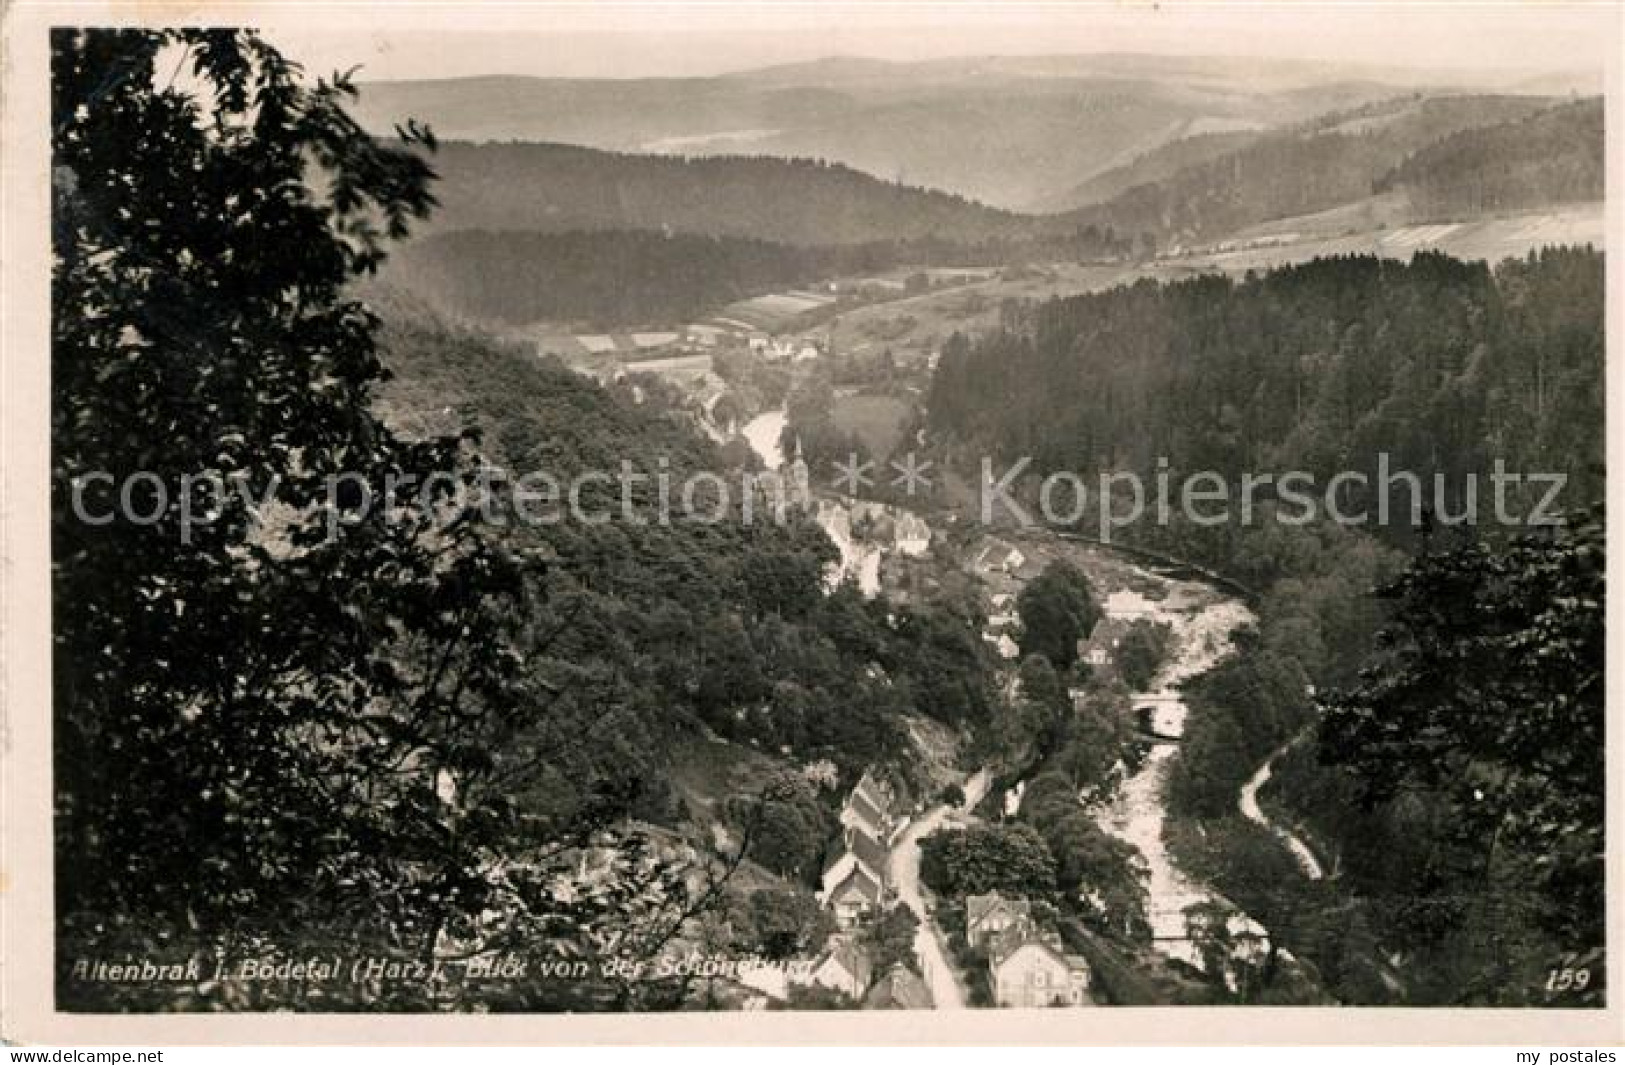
[[644, 40]]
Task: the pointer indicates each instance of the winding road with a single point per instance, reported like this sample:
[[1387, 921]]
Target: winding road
[[938, 971], [1248, 804]]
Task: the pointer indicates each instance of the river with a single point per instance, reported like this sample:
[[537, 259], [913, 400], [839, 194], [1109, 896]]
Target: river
[[1204, 623], [763, 432], [859, 561]]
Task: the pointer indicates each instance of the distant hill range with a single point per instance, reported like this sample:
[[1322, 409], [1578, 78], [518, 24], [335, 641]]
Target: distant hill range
[[1460, 154], [1552, 156], [1014, 132], [566, 232], [1344, 157]]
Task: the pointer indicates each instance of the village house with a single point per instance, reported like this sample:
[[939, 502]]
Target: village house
[[989, 915], [775, 349], [1099, 648], [1126, 604], [1003, 616], [844, 967], [1007, 647], [596, 343], [1030, 969], [654, 341], [900, 989], [854, 896], [872, 808], [996, 557], [858, 881], [913, 535], [704, 335]]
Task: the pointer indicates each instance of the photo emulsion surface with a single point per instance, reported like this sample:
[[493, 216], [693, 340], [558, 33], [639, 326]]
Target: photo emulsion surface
[[905, 515]]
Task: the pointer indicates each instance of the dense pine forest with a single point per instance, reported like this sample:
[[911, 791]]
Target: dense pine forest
[[552, 188], [1439, 365], [614, 278], [611, 278]]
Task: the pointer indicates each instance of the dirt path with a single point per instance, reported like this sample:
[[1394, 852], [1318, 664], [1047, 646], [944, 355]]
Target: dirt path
[[905, 871], [938, 972], [1248, 804]]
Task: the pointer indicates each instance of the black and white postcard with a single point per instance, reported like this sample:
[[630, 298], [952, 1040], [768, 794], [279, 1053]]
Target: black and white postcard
[[893, 521]]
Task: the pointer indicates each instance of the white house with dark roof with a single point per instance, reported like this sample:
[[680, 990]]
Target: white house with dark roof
[[996, 557], [1030, 969], [859, 878], [1004, 644]]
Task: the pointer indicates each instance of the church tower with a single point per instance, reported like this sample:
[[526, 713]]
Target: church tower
[[800, 490]]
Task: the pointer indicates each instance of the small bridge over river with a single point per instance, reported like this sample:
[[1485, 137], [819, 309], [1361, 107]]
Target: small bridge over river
[[1159, 715]]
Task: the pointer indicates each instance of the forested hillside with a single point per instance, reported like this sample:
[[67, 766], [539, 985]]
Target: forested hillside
[[1439, 365], [1158, 164], [606, 277], [1334, 160], [723, 624], [381, 703], [1552, 157], [558, 187]]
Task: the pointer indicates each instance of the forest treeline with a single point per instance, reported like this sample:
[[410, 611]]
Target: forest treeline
[[1435, 366], [616, 278]]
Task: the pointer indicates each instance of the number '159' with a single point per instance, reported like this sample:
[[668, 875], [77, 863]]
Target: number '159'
[[1568, 979]]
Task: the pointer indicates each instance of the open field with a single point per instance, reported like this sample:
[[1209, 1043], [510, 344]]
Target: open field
[[774, 311], [916, 326], [1297, 240]]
